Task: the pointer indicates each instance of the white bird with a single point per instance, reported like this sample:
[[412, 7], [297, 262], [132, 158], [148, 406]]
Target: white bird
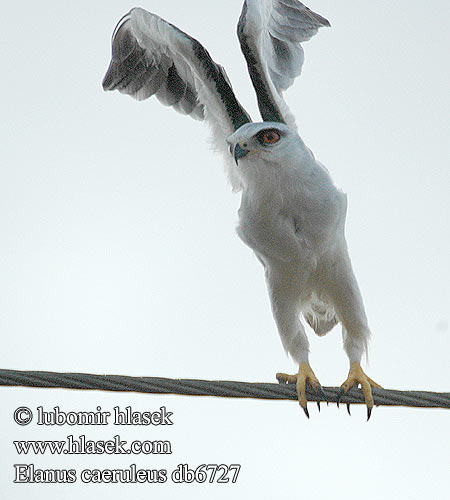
[[291, 215]]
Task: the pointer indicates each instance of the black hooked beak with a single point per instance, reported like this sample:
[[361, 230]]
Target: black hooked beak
[[239, 153]]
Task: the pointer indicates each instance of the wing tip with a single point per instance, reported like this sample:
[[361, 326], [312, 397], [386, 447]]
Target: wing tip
[[325, 23], [321, 21], [106, 82]]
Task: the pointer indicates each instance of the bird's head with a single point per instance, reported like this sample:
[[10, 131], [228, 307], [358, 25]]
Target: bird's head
[[270, 141]]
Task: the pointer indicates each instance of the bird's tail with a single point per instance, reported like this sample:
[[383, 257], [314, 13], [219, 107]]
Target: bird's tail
[[319, 315]]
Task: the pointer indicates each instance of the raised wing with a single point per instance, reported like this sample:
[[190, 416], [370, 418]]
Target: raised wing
[[270, 33], [152, 57]]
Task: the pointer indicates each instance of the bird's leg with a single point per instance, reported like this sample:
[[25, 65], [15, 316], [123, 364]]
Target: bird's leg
[[305, 374], [343, 292], [285, 285], [356, 376]]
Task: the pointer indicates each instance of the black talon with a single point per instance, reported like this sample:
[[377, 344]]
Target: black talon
[[348, 409], [318, 405], [322, 393], [369, 412], [305, 409], [339, 396]]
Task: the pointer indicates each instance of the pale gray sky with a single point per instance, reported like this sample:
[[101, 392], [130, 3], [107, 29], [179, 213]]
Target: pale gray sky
[[118, 252]]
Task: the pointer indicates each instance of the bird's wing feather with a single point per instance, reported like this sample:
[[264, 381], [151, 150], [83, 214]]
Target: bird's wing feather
[[152, 57], [270, 33]]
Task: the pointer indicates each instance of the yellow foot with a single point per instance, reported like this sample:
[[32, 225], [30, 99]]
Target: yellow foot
[[356, 376], [304, 375]]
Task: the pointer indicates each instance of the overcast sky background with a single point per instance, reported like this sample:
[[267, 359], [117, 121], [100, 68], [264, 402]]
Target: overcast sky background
[[119, 255]]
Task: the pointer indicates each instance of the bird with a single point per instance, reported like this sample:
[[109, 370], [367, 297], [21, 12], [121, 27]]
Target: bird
[[292, 215]]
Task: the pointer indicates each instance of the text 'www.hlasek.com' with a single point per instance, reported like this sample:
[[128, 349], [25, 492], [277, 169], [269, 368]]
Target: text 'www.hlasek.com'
[[26, 472]]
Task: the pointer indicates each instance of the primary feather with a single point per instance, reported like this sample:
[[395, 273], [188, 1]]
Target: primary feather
[[270, 33]]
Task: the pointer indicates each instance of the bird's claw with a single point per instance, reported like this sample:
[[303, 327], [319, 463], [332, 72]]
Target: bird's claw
[[348, 409], [321, 392], [305, 377], [283, 378], [356, 377]]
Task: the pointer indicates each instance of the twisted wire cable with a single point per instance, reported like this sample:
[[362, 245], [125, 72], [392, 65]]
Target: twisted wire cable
[[222, 388]]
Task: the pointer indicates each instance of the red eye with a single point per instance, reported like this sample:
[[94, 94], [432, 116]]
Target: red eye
[[270, 137]]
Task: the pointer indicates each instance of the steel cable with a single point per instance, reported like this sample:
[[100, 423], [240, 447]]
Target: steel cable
[[226, 389]]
